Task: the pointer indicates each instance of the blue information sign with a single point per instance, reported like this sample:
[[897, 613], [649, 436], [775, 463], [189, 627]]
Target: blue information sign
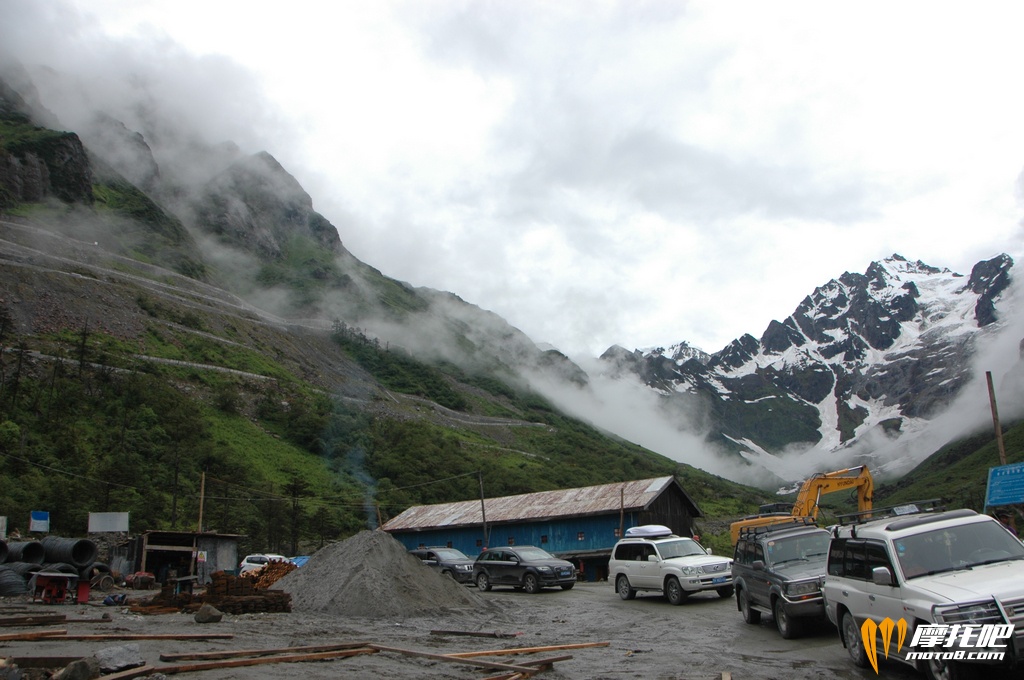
[[1005, 485]]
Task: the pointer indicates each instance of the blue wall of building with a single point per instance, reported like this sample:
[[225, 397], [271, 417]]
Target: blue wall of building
[[562, 537]]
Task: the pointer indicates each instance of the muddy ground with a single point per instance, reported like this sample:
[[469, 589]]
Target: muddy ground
[[647, 638]]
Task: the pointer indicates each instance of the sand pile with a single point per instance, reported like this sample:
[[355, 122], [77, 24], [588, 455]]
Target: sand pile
[[372, 575]]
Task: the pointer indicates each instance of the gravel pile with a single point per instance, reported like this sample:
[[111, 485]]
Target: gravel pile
[[371, 575]]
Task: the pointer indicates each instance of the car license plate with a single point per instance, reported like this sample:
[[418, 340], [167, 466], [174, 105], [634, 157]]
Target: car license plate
[[720, 579]]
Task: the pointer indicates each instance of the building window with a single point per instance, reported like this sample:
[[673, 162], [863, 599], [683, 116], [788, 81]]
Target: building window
[[511, 540], [479, 542], [449, 544], [543, 539], [617, 533], [580, 536], [422, 546]]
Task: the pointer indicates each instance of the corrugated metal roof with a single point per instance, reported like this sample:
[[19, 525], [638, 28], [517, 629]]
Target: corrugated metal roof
[[588, 500]]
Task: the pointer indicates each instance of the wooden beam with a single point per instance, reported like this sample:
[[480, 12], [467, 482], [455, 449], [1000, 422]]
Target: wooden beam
[[33, 620], [151, 636], [494, 634], [528, 650], [199, 656], [287, 658], [448, 657], [137, 672], [35, 635]]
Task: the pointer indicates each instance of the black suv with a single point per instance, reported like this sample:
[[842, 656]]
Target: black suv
[[448, 561], [523, 567], [779, 569]]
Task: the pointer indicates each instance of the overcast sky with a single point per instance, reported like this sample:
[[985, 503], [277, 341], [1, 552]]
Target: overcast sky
[[635, 173]]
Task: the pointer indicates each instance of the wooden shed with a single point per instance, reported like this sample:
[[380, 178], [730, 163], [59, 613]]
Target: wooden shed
[[581, 525]]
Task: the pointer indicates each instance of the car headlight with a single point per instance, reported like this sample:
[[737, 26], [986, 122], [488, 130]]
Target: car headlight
[[975, 612], [692, 571], [545, 570], [464, 567], [800, 589]]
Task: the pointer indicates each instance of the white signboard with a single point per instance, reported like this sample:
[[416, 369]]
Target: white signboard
[[108, 522]]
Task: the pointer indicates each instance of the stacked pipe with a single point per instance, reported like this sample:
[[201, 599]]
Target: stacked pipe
[[20, 560]]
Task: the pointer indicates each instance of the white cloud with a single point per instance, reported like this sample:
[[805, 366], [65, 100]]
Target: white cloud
[[636, 173]]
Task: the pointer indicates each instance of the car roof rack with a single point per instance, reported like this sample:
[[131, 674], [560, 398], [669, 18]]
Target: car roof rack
[[901, 510], [793, 523]]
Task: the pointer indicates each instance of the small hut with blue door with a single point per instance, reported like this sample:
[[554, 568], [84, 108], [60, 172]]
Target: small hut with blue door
[[580, 525]]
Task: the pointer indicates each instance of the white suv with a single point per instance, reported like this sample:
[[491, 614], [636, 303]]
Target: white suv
[[652, 558], [954, 571]]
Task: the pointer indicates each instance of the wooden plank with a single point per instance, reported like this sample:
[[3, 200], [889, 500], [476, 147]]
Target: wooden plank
[[447, 657], [528, 650], [33, 620], [42, 661], [198, 656], [151, 636], [35, 635], [137, 672], [287, 658], [494, 634]]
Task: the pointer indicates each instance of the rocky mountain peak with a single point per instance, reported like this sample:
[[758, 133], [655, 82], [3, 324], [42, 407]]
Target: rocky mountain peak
[[862, 351]]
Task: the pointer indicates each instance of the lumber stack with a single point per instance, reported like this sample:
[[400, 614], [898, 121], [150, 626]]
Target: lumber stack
[[269, 574]]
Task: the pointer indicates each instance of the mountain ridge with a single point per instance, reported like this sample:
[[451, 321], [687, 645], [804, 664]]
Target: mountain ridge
[[878, 351]]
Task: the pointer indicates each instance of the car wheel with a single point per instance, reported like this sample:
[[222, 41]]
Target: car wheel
[[531, 584], [626, 591], [854, 643], [448, 573], [788, 628], [750, 615], [674, 592], [724, 592], [483, 582], [567, 586], [946, 669]]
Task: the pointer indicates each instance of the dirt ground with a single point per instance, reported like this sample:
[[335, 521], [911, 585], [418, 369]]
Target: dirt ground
[[647, 638]]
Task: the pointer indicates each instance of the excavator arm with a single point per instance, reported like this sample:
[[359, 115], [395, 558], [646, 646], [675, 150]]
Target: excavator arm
[[818, 485], [809, 497]]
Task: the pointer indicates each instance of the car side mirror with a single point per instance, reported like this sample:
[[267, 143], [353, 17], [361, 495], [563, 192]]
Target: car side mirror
[[514, 559], [881, 576], [757, 565], [653, 558], [708, 551]]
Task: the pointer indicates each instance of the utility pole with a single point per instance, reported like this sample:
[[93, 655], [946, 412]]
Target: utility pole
[[202, 498], [995, 418], [483, 510]]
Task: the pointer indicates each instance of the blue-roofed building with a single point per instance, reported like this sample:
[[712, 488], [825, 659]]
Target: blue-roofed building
[[580, 525]]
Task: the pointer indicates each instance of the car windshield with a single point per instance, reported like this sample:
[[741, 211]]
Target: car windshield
[[958, 547], [450, 554], [682, 547], [805, 548], [534, 554]]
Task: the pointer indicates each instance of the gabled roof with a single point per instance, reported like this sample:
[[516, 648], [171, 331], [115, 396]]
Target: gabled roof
[[587, 500]]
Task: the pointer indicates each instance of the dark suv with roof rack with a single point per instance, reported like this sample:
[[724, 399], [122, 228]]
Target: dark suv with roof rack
[[778, 569], [940, 590]]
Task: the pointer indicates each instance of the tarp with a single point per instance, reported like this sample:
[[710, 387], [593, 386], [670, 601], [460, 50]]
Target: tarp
[[39, 520]]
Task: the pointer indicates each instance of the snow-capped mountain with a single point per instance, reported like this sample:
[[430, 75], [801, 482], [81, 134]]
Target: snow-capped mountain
[[871, 352]]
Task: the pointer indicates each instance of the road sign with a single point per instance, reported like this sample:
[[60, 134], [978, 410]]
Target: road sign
[[1005, 485]]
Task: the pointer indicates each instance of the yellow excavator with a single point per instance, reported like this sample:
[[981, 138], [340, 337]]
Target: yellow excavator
[[811, 491]]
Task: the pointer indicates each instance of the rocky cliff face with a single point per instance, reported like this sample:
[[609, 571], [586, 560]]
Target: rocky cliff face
[[863, 352]]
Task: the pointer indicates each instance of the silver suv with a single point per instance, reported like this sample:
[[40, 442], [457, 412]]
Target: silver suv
[[941, 591], [652, 558], [778, 569]]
